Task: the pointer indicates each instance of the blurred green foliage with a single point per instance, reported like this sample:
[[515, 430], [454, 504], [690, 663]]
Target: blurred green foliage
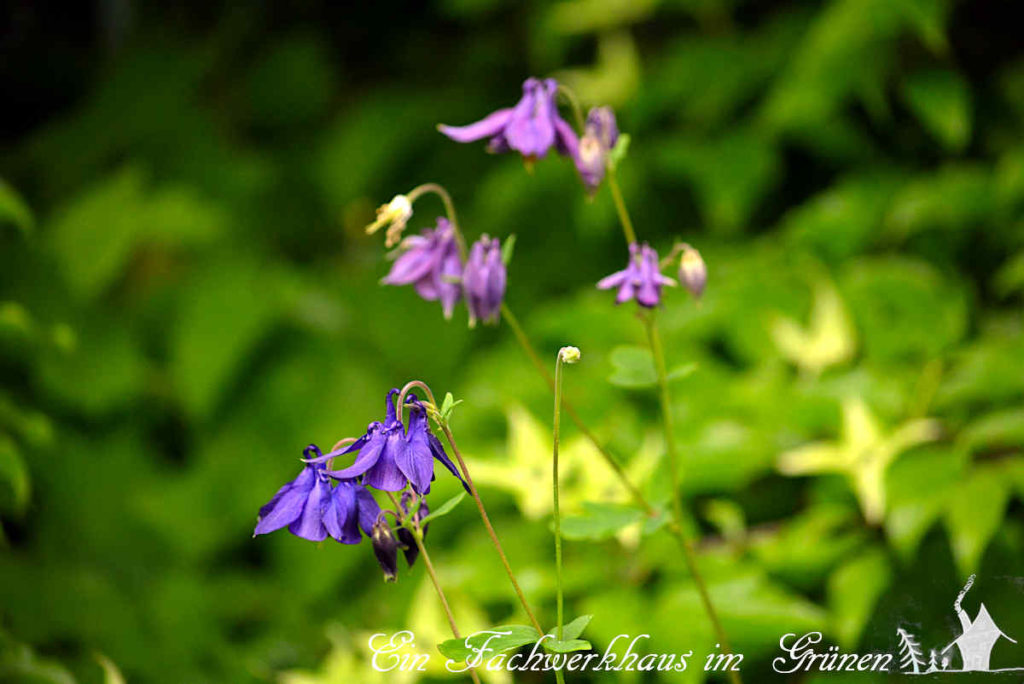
[[188, 300]]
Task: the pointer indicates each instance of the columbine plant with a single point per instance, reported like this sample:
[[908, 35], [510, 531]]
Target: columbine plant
[[391, 458]]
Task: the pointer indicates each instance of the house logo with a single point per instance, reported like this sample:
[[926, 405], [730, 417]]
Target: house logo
[[971, 650]]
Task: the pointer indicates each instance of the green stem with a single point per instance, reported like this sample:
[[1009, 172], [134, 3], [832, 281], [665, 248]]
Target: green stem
[[490, 528], [417, 535], [449, 209], [574, 103], [613, 463], [657, 351], [620, 205], [556, 429]]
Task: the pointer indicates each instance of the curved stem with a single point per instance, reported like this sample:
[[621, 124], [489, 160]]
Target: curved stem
[[657, 351], [620, 205], [408, 387], [449, 209], [574, 103], [490, 528]]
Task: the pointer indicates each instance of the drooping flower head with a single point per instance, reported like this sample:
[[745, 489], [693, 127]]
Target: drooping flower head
[[390, 457], [530, 128], [693, 273], [395, 215], [385, 548], [430, 261], [483, 280], [641, 280], [599, 137], [314, 510]]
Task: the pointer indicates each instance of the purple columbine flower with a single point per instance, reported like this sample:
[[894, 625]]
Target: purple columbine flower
[[312, 509], [599, 137], [390, 457], [483, 280], [641, 280], [531, 127], [430, 261]]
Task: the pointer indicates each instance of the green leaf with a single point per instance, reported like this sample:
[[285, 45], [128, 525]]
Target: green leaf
[[974, 515], [620, 150], [941, 100], [853, 591], [13, 209], [14, 473], [633, 368], [572, 630], [508, 637], [447, 406], [567, 645], [508, 249], [445, 508], [599, 520]]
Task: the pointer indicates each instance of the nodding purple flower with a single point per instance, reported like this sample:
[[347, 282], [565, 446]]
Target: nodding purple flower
[[385, 548], [530, 128], [409, 547], [693, 273], [390, 457], [599, 137], [483, 280], [312, 509], [641, 280], [430, 261]]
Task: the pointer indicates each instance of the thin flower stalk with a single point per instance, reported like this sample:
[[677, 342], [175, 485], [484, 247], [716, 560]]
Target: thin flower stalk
[[476, 497], [417, 535], [657, 351], [565, 355]]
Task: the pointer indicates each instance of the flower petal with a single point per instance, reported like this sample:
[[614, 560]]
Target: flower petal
[[489, 126], [385, 474], [310, 523], [287, 504], [367, 509], [367, 458]]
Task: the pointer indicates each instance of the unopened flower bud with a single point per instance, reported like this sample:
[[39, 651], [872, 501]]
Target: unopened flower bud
[[569, 354], [395, 214], [385, 547], [693, 273]]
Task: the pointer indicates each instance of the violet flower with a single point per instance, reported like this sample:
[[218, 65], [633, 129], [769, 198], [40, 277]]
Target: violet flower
[[312, 509], [599, 137], [430, 261], [641, 280], [483, 280], [390, 457], [531, 127]]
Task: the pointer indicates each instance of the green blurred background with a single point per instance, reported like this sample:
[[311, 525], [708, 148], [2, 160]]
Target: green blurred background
[[188, 299]]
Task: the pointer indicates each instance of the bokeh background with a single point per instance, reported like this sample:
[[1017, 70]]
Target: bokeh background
[[188, 299]]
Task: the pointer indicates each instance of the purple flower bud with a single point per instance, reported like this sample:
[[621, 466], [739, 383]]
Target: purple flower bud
[[531, 127], [430, 261], [385, 548], [693, 273], [602, 125], [483, 280], [641, 280], [599, 137]]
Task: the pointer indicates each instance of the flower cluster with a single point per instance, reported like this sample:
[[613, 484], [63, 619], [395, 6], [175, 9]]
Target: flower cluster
[[432, 263], [641, 280], [533, 126], [322, 502]]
